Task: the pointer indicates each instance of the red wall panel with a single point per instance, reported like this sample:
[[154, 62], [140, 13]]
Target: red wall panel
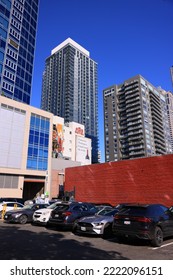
[[146, 180]]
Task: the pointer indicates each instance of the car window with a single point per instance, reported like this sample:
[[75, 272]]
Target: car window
[[77, 208], [111, 213], [62, 207], [140, 211], [52, 206], [9, 204], [103, 211]]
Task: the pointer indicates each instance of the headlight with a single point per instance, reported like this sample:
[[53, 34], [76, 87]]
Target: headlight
[[17, 215]]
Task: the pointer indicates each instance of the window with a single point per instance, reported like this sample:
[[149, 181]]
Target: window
[[38, 143]]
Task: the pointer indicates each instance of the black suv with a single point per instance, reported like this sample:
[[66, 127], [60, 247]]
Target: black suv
[[65, 214], [152, 222]]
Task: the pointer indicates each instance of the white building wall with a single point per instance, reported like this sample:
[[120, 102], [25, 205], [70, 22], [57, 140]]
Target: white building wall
[[72, 137]]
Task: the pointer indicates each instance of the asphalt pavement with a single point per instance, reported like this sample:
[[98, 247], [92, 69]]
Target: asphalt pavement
[[27, 242]]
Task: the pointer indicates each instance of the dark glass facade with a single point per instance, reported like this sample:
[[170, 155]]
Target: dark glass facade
[[73, 94], [18, 25]]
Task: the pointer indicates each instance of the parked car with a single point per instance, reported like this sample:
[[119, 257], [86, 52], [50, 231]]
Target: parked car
[[9, 205], [66, 213], [24, 214], [98, 224], [152, 222], [9, 199], [42, 216]]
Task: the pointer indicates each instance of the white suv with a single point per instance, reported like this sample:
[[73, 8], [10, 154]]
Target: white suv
[[41, 216], [9, 205]]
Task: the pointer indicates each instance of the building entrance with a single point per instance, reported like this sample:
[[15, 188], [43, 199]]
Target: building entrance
[[31, 189]]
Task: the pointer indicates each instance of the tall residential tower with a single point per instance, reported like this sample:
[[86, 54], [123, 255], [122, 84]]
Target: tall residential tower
[[171, 70], [136, 120], [70, 89], [18, 24]]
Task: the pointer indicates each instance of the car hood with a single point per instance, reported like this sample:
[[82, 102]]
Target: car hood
[[44, 210], [96, 219]]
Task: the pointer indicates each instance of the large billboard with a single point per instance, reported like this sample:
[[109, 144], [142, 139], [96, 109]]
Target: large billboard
[[83, 150], [57, 140]]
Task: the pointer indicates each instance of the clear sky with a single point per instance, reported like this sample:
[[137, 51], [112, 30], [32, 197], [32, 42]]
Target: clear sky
[[125, 38]]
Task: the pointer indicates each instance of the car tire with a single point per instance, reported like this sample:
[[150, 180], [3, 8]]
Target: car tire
[[23, 219], [107, 232], [158, 237], [0, 214]]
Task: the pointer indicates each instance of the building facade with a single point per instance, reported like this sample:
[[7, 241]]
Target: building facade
[[35, 149], [169, 102], [171, 71], [18, 25], [136, 121], [70, 89], [25, 148], [69, 142]]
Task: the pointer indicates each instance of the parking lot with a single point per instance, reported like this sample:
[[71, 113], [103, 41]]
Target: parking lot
[[35, 242]]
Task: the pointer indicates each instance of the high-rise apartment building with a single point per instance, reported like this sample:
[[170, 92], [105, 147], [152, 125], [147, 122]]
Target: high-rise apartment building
[[169, 104], [171, 70], [18, 24], [70, 88], [135, 120]]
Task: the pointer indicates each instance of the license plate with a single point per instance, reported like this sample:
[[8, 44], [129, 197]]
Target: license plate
[[127, 222], [56, 215], [83, 228]]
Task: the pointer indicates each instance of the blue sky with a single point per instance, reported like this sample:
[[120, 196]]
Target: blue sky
[[125, 37]]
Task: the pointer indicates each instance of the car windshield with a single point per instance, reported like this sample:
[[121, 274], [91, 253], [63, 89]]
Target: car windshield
[[52, 206], [104, 211], [111, 213]]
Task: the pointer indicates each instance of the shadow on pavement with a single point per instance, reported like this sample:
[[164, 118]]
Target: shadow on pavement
[[20, 243]]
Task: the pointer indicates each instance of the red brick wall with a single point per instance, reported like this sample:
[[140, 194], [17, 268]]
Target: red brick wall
[[147, 180]]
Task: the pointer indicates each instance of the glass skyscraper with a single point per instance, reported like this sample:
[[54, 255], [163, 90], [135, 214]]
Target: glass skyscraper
[[70, 89], [18, 24]]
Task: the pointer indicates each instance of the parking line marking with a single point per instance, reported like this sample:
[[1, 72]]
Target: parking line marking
[[155, 248]]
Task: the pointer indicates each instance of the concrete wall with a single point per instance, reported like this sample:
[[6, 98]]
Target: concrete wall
[[146, 180]]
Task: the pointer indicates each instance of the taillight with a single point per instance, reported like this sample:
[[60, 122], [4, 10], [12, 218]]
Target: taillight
[[142, 219], [118, 217], [67, 213], [137, 219]]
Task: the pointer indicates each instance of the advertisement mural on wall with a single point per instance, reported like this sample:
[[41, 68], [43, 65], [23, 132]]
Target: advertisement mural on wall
[[57, 141], [83, 150]]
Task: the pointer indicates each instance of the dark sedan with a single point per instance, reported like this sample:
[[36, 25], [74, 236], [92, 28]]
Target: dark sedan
[[152, 222], [24, 214], [65, 214]]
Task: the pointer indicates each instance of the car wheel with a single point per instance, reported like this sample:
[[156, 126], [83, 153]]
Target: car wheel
[[0, 214], [23, 219], [158, 237], [107, 232]]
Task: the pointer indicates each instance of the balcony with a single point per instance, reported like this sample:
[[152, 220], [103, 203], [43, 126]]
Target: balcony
[[131, 143], [132, 153], [133, 123], [136, 132], [141, 147], [132, 100], [134, 104]]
